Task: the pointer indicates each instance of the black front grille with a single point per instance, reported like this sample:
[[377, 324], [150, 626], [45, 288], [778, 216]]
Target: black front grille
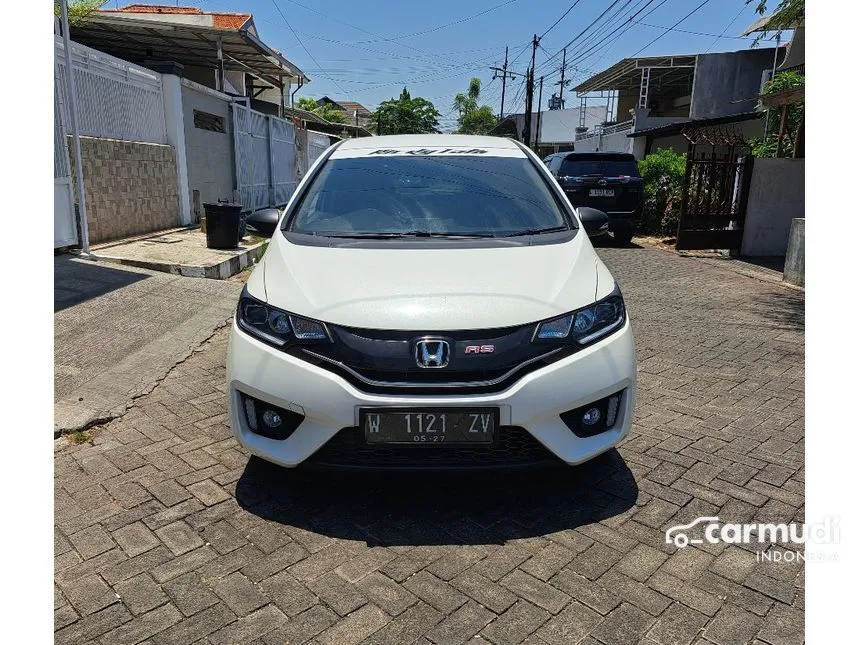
[[514, 447], [381, 361]]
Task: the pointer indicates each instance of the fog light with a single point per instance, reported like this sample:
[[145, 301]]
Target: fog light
[[594, 418], [251, 413], [612, 410], [271, 418], [269, 421], [591, 416]]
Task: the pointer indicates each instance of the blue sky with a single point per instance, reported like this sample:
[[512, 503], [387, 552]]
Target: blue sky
[[366, 51]]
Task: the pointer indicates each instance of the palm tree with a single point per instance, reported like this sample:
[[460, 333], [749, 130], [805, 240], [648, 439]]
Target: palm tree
[[468, 101]]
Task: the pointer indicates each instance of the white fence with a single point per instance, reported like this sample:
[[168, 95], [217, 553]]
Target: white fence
[[265, 153], [115, 99], [605, 130]]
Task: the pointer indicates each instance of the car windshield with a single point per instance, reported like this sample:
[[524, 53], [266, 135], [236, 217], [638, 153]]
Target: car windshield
[[428, 196], [602, 166]]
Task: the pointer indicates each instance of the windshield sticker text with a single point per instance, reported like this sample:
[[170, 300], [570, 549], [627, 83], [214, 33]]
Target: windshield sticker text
[[429, 151]]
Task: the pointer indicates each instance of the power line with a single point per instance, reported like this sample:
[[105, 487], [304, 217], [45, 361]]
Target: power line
[[452, 23], [699, 33], [563, 16], [579, 35], [722, 33], [605, 43], [594, 39], [307, 51], [702, 4]]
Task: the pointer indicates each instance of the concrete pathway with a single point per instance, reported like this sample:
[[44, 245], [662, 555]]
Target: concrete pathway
[[119, 330]]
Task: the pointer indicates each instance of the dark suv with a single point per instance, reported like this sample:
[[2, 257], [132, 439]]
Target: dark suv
[[607, 181]]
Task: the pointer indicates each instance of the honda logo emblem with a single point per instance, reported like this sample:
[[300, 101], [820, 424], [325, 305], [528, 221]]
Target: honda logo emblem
[[432, 353]]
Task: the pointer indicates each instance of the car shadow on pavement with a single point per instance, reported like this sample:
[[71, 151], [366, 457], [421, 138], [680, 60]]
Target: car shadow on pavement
[[438, 508]]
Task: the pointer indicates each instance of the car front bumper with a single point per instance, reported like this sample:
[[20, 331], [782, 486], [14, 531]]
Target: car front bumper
[[330, 404]]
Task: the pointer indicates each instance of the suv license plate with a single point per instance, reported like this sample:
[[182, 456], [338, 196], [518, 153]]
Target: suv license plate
[[429, 426], [601, 192]]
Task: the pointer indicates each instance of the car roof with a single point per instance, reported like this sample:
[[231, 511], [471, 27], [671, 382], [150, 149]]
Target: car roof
[[427, 145], [596, 154], [435, 140]]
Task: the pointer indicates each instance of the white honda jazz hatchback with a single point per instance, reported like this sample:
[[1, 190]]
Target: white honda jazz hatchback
[[431, 301]]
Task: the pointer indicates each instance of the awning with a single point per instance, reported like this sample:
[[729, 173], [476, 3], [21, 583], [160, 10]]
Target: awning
[[627, 73], [139, 41], [679, 126]]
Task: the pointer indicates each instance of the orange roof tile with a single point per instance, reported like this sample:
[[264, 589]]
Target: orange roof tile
[[230, 20], [221, 20], [158, 8]]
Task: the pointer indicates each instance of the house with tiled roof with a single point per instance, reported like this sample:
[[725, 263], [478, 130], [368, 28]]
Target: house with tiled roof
[[185, 15], [355, 113], [217, 49]]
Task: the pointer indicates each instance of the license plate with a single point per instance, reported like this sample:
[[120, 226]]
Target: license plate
[[601, 192], [429, 426]]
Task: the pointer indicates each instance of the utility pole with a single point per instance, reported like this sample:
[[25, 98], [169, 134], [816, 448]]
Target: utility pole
[[540, 102], [504, 77], [503, 73], [530, 90]]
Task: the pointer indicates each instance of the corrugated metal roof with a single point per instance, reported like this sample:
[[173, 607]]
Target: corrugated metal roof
[[628, 70], [139, 40]]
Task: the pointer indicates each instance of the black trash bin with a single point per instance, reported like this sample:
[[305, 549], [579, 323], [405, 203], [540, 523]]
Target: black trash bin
[[222, 225]]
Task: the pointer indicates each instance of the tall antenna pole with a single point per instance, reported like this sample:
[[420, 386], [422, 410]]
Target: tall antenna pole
[[561, 82], [540, 102]]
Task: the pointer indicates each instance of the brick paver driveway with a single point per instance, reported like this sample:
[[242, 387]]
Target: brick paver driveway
[[167, 533]]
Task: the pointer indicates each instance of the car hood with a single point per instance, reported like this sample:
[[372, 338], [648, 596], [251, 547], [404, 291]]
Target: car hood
[[431, 289]]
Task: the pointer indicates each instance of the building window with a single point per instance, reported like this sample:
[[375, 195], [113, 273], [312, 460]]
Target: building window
[[206, 121]]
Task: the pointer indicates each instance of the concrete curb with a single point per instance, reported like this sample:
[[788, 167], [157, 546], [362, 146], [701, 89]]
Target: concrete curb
[[217, 271]]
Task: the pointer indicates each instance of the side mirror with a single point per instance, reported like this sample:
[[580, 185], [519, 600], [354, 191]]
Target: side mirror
[[264, 222], [595, 222]]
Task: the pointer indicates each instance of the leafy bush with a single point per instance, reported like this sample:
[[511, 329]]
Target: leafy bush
[[767, 147], [663, 174]]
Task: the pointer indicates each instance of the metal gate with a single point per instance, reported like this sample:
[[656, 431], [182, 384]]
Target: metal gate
[[65, 224], [265, 158], [317, 144], [715, 190]]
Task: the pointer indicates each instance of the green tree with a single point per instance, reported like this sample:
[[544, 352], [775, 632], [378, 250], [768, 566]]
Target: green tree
[[767, 147], [788, 14], [663, 175], [405, 115], [306, 103], [331, 114], [473, 119], [327, 111], [79, 10]]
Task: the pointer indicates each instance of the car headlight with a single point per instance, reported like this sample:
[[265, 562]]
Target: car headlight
[[585, 325], [276, 327]]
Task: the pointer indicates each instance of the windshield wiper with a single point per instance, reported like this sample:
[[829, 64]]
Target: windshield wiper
[[387, 236], [537, 231]]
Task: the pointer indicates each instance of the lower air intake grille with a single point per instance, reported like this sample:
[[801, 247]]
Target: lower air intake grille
[[514, 447]]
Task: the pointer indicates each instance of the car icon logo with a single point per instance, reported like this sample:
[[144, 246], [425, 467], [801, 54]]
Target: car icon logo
[[677, 534], [432, 353]]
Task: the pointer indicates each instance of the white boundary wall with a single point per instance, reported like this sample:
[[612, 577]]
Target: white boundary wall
[[115, 99]]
